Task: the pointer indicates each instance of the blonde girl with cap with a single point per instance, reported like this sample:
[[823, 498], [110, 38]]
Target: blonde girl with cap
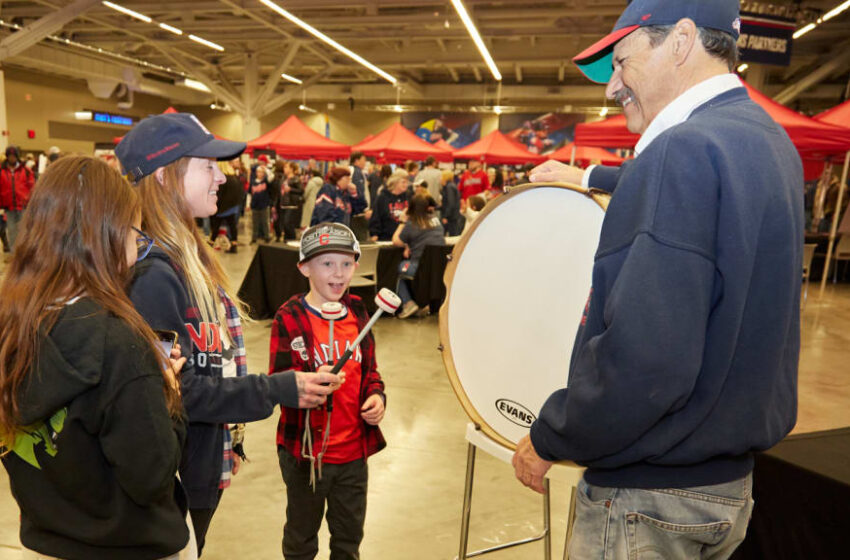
[[180, 286]]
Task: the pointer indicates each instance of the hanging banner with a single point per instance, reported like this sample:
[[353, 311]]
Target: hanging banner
[[458, 129], [766, 39], [540, 133]]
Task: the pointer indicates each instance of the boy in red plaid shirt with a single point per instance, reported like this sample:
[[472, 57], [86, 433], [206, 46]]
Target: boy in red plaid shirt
[[322, 466]]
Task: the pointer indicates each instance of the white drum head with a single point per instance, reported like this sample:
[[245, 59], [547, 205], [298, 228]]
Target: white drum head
[[517, 285]]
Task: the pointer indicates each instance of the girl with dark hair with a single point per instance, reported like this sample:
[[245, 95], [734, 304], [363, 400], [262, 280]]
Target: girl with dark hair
[[419, 227], [91, 421]]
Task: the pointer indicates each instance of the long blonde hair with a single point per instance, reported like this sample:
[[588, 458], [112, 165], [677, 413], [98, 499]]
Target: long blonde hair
[[73, 242], [167, 218]]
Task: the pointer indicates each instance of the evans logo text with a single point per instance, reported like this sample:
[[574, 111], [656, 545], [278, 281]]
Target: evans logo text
[[515, 412]]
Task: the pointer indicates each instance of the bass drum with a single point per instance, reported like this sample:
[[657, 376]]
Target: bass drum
[[516, 287]]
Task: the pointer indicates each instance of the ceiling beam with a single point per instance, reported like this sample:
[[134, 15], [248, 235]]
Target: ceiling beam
[[518, 70], [265, 23], [141, 37], [62, 62], [234, 101], [453, 73], [839, 61], [40, 29], [477, 72], [274, 77], [287, 96]]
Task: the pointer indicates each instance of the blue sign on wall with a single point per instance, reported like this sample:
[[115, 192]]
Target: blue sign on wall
[[766, 39], [112, 119]]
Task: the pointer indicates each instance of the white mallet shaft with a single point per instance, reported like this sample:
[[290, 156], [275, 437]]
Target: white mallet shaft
[[387, 302], [331, 311]]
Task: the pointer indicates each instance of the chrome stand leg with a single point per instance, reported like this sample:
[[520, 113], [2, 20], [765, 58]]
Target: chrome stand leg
[[467, 502], [547, 522], [571, 519]]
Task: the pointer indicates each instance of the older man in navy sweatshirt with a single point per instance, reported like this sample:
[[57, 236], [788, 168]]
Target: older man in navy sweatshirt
[[686, 361]]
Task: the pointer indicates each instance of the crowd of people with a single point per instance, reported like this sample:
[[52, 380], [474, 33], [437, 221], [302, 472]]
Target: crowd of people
[[129, 262], [684, 363]]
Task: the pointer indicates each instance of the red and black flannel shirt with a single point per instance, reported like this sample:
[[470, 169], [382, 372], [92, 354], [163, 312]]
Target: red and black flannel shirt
[[291, 323]]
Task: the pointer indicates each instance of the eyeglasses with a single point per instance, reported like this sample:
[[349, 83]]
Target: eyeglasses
[[143, 244]]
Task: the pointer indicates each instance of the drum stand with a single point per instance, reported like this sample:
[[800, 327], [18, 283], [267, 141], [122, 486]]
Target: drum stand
[[477, 439]]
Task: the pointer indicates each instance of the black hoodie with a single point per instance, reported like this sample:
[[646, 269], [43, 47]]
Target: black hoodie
[[94, 471]]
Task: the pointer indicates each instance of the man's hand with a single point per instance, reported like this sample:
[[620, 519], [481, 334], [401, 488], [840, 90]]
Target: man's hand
[[528, 466], [314, 387], [556, 172], [237, 462], [373, 410]]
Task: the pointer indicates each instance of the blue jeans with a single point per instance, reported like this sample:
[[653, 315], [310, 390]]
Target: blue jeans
[[707, 522], [406, 272]]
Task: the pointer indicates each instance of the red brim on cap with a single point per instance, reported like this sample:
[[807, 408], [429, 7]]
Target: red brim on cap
[[591, 61]]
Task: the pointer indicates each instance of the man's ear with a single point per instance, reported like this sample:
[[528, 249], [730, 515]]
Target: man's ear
[[685, 35]]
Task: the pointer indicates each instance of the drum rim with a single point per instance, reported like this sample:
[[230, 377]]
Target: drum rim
[[601, 198]]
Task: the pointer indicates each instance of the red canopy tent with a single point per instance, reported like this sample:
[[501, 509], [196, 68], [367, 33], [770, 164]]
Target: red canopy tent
[[813, 139], [839, 115], [610, 133], [396, 144], [496, 149], [443, 145], [585, 155], [295, 140]]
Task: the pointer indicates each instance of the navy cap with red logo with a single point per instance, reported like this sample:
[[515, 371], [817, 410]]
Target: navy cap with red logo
[[162, 139], [328, 237], [595, 62]]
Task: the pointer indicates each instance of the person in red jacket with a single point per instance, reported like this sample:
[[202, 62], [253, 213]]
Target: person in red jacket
[[16, 182], [473, 181]]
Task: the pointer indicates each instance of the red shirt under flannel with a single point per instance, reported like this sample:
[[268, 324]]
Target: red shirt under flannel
[[291, 345]]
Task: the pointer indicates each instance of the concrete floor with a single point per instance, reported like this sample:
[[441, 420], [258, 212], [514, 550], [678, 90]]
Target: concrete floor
[[416, 483]]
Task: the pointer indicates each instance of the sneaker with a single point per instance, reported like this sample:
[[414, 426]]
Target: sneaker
[[424, 312], [408, 309]]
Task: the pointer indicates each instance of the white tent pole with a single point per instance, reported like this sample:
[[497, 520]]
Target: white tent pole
[[573, 155], [835, 217]]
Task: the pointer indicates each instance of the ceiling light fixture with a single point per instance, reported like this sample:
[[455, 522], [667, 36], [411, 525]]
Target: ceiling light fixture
[[292, 79], [476, 38], [196, 85], [206, 43], [171, 28], [826, 17], [743, 68], [803, 30], [321, 36], [127, 11], [836, 10]]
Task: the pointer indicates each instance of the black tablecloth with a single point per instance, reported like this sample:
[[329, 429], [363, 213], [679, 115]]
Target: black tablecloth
[[273, 278], [802, 492], [428, 287]]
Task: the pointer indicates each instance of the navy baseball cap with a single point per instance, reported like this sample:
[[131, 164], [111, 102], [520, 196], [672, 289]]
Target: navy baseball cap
[[596, 62], [162, 139]]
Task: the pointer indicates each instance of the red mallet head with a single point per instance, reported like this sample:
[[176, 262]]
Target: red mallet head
[[332, 311], [387, 301]]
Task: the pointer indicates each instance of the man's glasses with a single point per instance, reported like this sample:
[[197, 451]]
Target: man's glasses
[[143, 244]]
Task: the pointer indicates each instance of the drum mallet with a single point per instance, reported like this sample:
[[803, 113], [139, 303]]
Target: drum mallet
[[331, 311], [387, 302]]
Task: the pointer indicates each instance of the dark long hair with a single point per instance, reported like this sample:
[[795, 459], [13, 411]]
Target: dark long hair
[[73, 242], [421, 210]]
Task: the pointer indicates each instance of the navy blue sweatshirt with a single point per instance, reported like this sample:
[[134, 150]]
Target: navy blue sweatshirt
[[160, 296], [336, 205], [686, 359]]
